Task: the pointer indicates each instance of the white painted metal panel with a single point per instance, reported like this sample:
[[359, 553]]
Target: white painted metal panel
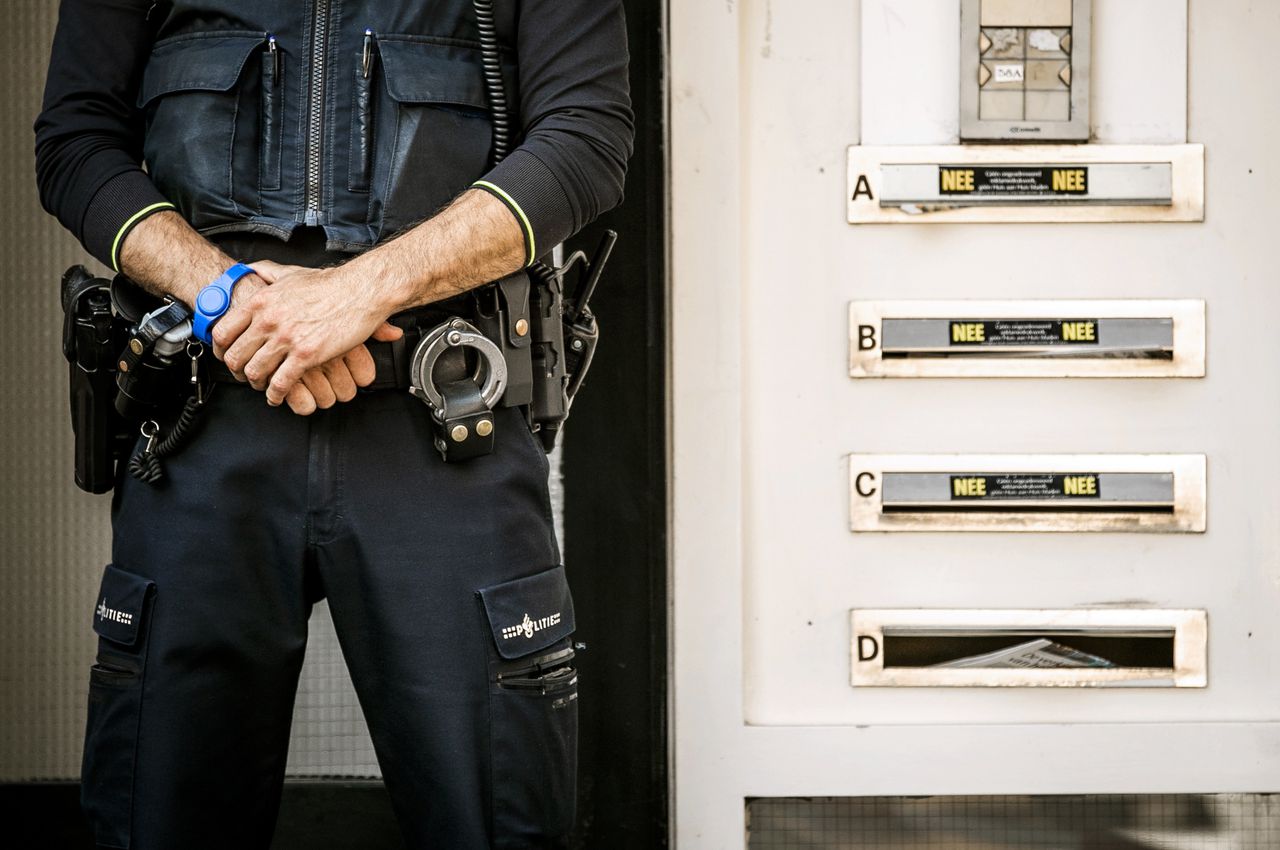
[[765, 570], [910, 72], [910, 81], [1140, 82]]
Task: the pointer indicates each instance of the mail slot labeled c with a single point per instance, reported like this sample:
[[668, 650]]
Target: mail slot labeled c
[[1094, 648], [1116, 339], [1028, 493]]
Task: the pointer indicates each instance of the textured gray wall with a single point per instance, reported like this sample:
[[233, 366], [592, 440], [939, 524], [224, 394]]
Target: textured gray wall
[[54, 540]]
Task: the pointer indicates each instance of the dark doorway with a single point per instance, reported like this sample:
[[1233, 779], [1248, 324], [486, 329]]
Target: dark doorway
[[615, 493]]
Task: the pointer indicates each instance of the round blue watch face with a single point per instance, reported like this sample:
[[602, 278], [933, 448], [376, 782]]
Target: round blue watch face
[[212, 301]]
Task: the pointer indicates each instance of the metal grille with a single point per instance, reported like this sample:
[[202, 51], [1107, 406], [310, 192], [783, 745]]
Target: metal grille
[[1102, 822]]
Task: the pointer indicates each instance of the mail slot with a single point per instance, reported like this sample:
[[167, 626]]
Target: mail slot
[[1118, 339], [1042, 492], [1029, 648], [1027, 182], [930, 184], [1028, 493]]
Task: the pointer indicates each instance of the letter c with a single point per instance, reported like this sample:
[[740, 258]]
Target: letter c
[[858, 484]]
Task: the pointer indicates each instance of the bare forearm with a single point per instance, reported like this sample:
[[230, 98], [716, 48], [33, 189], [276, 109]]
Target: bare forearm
[[166, 256], [471, 242]]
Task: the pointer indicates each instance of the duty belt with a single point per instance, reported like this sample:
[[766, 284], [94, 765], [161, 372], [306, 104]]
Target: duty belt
[[455, 369], [391, 362], [519, 342], [461, 368]]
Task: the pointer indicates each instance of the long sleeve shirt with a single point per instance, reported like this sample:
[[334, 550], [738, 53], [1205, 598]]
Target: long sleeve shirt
[[572, 110]]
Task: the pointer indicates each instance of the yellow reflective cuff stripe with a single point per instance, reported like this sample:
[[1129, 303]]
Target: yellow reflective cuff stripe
[[134, 219], [524, 219]]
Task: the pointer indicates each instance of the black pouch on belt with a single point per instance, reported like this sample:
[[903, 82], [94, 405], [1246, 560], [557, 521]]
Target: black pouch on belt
[[464, 429], [503, 315]]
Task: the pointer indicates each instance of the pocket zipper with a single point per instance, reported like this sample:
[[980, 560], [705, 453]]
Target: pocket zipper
[[272, 117], [544, 674], [111, 674], [362, 118], [553, 682], [543, 662], [274, 49]]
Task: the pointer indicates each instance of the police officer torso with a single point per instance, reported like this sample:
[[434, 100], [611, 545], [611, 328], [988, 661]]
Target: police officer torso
[[360, 116]]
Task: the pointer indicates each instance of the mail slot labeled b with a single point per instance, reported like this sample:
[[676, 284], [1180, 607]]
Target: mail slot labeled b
[[1094, 648], [1028, 493], [1012, 339]]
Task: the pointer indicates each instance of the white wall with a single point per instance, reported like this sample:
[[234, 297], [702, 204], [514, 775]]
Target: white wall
[[765, 97], [910, 51]]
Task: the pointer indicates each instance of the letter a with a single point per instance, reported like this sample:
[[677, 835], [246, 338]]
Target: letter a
[[863, 187]]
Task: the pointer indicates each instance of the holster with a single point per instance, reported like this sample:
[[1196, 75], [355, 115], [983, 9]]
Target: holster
[[91, 337]]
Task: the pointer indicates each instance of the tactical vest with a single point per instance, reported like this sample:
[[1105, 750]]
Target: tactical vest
[[363, 117]]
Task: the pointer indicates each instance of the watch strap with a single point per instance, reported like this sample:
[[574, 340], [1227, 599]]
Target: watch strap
[[214, 300]]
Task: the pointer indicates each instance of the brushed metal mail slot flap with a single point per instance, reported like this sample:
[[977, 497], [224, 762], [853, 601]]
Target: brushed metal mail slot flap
[[966, 184], [1148, 493], [937, 184], [1016, 339], [1018, 492], [1035, 337], [1029, 648]]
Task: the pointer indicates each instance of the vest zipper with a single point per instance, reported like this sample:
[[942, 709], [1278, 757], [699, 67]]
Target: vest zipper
[[315, 115]]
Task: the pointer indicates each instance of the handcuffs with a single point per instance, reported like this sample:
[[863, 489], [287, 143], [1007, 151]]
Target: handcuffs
[[461, 399]]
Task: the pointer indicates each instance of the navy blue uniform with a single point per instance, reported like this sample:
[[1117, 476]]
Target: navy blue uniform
[[301, 132]]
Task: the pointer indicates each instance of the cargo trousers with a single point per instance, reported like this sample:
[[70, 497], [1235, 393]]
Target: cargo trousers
[[449, 602]]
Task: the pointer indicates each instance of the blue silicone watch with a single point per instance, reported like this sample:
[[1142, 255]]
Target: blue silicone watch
[[214, 301]]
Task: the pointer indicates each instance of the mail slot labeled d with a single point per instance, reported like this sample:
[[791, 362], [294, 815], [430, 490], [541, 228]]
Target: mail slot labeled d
[[1027, 339], [1094, 648], [1150, 493]]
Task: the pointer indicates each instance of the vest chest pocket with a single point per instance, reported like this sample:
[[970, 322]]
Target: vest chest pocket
[[204, 117], [431, 134]]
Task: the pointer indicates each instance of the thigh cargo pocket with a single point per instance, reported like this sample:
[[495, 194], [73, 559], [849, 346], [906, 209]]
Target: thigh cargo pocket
[[120, 618], [533, 699]]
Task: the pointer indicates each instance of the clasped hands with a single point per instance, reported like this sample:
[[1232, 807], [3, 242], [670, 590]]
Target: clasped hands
[[299, 335]]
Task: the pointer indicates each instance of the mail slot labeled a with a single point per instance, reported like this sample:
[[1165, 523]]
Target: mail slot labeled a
[[1090, 648], [1027, 339], [1151, 493], [925, 184]]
